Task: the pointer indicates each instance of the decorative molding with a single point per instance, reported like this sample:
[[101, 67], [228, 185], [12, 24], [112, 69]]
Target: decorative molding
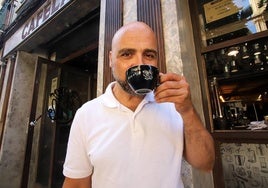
[[130, 11], [113, 21], [149, 11]]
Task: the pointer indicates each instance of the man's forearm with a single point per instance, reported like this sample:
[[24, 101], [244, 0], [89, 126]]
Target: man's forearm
[[199, 145]]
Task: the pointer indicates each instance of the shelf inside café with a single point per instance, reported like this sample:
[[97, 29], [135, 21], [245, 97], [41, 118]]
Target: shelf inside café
[[241, 135], [237, 26]]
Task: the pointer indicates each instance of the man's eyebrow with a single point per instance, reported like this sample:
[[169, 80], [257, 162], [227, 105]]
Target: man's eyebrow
[[151, 50], [132, 50], [126, 50]]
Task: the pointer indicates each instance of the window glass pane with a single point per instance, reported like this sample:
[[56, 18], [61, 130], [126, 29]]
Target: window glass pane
[[222, 20]]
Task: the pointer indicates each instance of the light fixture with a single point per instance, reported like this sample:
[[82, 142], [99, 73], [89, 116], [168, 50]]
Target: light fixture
[[222, 99], [259, 97], [233, 51]]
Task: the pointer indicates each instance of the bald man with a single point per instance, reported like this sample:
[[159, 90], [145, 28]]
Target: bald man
[[125, 140]]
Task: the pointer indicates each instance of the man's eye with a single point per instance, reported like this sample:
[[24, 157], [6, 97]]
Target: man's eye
[[151, 55], [126, 54]]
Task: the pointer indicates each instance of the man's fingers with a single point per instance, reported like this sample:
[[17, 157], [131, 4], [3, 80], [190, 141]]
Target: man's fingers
[[169, 77]]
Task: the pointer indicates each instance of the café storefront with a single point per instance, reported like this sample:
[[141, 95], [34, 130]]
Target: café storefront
[[63, 46], [61, 49]]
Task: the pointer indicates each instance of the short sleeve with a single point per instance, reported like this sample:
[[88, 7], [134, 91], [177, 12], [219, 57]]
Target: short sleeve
[[77, 162]]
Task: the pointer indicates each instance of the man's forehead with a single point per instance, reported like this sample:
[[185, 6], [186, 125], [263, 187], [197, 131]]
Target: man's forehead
[[136, 45], [135, 30], [133, 27]]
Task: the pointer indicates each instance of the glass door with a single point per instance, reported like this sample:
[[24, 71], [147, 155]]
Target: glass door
[[66, 89]]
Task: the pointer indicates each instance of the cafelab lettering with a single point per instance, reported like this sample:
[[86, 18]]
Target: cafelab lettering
[[147, 74], [41, 16]]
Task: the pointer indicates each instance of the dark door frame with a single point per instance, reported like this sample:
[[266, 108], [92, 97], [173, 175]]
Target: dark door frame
[[33, 119]]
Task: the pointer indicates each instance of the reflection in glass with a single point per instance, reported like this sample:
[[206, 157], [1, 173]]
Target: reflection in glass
[[228, 19]]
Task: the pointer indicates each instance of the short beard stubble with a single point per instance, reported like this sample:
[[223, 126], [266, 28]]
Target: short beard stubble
[[125, 86]]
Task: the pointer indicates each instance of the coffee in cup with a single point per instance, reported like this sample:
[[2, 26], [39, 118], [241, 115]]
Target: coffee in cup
[[142, 78]]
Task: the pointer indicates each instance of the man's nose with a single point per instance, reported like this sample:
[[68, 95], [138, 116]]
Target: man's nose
[[140, 59]]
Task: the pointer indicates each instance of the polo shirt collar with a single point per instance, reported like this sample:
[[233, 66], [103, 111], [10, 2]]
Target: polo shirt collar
[[110, 101]]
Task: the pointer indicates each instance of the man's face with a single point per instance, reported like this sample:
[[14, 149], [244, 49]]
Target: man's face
[[130, 47]]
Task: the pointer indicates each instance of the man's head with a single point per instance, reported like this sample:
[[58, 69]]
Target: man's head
[[133, 44]]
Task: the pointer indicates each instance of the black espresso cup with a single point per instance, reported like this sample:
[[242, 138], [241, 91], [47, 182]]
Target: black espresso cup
[[142, 78]]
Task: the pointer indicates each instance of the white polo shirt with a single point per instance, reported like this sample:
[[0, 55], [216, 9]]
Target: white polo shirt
[[126, 149]]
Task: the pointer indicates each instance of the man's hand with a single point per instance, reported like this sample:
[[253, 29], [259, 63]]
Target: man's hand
[[174, 88]]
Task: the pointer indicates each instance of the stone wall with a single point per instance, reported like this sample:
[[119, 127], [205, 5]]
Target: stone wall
[[17, 121]]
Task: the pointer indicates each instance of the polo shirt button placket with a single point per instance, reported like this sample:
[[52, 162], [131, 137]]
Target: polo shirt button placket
[[137, 140]]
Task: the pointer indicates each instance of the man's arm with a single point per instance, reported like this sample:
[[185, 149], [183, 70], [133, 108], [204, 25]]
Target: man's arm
[[77, 183], [199, 145]]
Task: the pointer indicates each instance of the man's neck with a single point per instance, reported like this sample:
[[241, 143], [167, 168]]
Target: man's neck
[[126, 99]]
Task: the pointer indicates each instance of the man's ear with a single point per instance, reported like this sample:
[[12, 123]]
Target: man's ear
[[110, 58]]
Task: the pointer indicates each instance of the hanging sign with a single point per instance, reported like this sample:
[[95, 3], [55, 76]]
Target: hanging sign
[[39, 18], [219, 9]]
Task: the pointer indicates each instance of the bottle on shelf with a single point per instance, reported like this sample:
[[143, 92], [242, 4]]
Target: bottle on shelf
[[226, 70], [233, 66], [213, 64], [258, 58], [232, 53], [265, 53], [209, 61], [222, 59], [246, 60], [217, 67]]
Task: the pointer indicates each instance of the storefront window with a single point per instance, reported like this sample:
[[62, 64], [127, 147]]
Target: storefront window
[[235, 55], [223, 20], [234, 62]]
